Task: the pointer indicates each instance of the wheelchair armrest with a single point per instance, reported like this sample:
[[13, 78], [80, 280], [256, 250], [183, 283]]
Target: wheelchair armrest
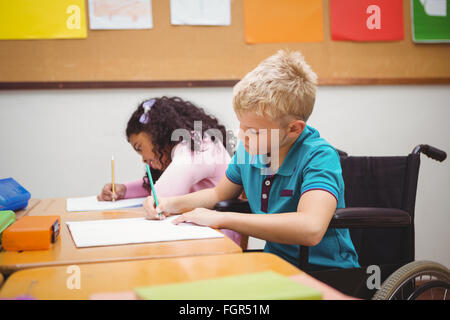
[[360, 217], [370, 218], [234, 205]]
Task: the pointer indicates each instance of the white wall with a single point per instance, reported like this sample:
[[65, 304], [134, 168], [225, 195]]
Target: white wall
[[58, 143]]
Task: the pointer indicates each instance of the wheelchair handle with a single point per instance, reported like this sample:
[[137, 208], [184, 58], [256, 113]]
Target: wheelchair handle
[[431, 152]]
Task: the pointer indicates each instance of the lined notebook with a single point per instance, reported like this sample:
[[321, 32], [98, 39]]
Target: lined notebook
[[108, 232], [92, 204], [266, 285]]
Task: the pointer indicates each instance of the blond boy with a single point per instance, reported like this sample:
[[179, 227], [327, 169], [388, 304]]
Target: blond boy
[[292, 177]]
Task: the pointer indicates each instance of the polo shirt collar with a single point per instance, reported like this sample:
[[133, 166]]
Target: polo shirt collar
[[290, 161]]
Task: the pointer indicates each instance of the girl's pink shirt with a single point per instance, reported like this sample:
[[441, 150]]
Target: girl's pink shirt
[[188, 172]]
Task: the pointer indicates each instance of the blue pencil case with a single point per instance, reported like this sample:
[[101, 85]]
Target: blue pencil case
[[12, 195]]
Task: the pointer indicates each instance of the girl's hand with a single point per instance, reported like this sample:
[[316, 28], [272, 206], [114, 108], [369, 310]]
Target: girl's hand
[[108, 195], [202, 217], [166, 206]]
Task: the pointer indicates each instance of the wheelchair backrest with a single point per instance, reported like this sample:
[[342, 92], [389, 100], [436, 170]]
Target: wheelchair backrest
[[382, 182]]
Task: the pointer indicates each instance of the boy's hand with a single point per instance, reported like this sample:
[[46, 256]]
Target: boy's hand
[[202, 217], [166, 206], [107, 194]]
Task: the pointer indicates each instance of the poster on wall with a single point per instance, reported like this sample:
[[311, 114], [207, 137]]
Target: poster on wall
[[430, 20], [283, 21], [43, 19], [120, 14], [200, 12], [366, 20]]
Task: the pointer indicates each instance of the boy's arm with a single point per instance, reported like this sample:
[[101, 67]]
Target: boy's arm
[[307, 226], [206, 198]]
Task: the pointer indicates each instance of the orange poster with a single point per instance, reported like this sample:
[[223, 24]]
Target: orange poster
[[283, 21]]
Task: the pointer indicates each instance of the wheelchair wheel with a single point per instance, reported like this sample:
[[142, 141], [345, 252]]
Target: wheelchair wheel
[[418, 280]]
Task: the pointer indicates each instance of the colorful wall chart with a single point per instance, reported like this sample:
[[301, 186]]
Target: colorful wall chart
[[430, 20], [120, 14], [283, 21], [43, 19], [200, 12], [366, 20]]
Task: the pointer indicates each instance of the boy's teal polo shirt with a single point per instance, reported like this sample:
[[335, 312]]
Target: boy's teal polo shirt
[[311, 163]]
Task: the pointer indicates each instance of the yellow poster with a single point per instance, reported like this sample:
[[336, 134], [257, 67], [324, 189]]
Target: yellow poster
[[42, 19]]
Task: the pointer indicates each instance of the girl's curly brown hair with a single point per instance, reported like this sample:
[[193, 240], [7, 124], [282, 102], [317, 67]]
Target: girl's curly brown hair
[[164, 117]]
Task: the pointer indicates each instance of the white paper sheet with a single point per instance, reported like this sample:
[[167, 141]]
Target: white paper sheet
[[92, 204], [200, 12], [436, 8], [120, 14], [135, 230]]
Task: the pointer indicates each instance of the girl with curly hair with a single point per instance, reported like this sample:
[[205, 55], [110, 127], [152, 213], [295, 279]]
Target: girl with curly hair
[[178, 167]]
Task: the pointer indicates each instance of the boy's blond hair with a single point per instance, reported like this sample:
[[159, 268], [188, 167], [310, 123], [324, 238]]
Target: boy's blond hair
[[281, 85]]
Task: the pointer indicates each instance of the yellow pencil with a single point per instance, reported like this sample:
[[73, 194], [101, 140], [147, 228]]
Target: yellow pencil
[[112, 169]]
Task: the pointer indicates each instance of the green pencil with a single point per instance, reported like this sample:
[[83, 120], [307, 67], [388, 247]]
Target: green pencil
[[153, 188]]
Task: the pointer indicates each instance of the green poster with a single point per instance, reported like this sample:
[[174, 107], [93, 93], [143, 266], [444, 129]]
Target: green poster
[[430, 20]]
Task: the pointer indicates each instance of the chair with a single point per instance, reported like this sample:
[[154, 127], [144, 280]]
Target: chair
[[380, 195]]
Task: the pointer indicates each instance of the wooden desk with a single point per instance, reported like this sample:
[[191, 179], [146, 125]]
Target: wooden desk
[[122, 277], [64, 252], [50, 283], [32, 203]]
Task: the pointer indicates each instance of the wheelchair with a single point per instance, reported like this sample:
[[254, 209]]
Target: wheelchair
[[380, 196]]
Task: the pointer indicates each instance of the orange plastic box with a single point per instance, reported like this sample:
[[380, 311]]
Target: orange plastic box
[[32, 233]]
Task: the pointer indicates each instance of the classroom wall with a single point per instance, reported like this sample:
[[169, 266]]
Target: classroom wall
[[58, 143]]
